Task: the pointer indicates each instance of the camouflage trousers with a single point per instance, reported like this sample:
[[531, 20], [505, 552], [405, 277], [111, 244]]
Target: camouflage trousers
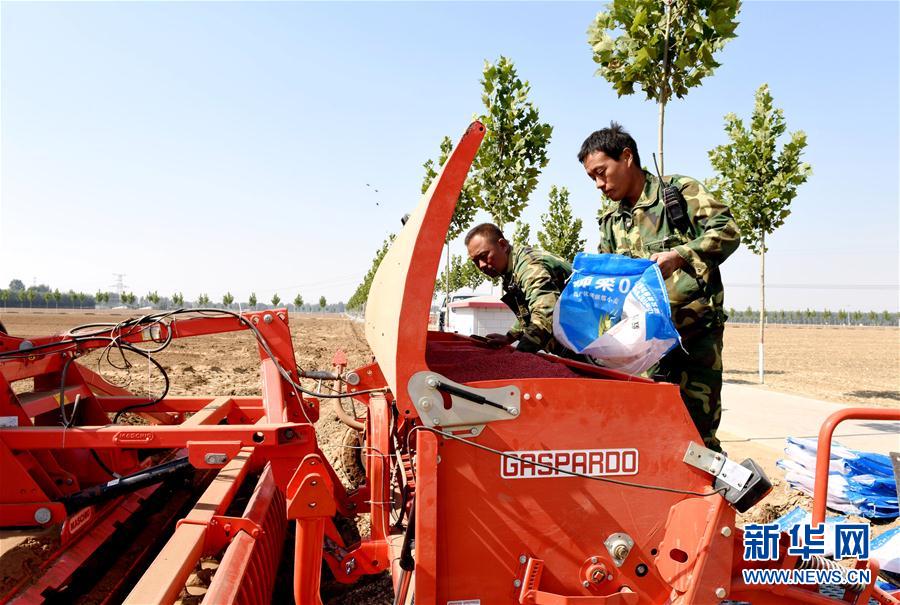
[[698, 374]]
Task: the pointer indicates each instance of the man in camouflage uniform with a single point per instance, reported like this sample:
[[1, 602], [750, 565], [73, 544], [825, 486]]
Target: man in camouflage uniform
[[532, 282], [638, 225]]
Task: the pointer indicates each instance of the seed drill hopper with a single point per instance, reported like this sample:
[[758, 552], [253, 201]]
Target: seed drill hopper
[[491, 477]]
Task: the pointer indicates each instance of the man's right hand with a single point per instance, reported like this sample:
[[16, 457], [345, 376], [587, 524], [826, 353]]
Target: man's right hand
[[498, 340]]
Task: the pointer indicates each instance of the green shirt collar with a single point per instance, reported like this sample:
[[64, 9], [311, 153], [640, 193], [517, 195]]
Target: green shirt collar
[[649, 195], [507, 275]]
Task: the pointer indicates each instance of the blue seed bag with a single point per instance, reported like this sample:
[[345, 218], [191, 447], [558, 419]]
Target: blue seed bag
[[615, 310]]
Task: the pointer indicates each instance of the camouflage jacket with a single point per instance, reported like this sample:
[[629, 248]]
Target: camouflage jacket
[[695, 292], [532, 284]]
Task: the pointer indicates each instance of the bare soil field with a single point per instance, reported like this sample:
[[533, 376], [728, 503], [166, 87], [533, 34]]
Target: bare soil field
[[224, 364], [844, 364]]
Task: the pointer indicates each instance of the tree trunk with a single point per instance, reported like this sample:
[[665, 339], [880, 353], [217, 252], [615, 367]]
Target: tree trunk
[[447, 286], [662, 121], [664, 93], [762, 306]]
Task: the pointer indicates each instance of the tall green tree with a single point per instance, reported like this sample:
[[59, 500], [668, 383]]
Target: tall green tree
[[298, 302], [153, 297], [462, 274], [227, 299], [252, 300], [203, 300], [362, 291], [275, 299], [514, 151], [57, 296], [505, 171], [758, 183], [561, 232], [4, 297], [178, 299], [521, 234], [665, 47], [322, 302]]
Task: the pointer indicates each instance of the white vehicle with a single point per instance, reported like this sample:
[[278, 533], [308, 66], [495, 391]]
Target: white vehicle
[[445, 321], [479, 315]]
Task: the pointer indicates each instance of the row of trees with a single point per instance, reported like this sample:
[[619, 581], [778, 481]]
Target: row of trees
[[229, 302], [500, 182], [814, 317], [664, 48], [17, 295]]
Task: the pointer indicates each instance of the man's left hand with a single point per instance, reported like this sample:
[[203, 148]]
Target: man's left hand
[[668, 262], [497, 340]]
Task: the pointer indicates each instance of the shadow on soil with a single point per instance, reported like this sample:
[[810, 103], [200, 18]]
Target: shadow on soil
[[882, 427], [895, 395]]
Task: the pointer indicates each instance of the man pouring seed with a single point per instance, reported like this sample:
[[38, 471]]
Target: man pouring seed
[[676, 223]]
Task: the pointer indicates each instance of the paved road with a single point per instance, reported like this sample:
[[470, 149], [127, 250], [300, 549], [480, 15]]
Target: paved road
[[758, 419]]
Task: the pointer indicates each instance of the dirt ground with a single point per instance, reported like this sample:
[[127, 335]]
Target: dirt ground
[[223, 364], [844, 364]]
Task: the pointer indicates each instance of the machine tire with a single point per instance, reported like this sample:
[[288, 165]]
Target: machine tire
[[350, 462]]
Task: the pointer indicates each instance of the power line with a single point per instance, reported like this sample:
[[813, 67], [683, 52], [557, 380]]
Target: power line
[[820, 286]]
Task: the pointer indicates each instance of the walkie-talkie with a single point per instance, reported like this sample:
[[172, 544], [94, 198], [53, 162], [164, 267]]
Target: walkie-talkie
[[676, 207], [676, 210]]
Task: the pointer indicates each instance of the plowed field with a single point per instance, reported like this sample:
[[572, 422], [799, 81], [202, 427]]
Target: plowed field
[[843, 364]]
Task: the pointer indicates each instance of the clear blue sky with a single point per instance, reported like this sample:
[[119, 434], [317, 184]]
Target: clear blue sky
[[205, 147]]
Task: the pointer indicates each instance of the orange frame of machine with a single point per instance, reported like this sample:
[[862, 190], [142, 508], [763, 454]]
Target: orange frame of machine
[[24, 448], [272, 435], [484, 533], [483, 538]]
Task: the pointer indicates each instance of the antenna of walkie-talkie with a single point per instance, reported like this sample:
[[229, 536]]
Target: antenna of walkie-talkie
[[658, 173]]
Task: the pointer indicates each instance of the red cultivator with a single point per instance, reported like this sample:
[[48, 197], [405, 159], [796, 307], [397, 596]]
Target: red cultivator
[[491, 476]]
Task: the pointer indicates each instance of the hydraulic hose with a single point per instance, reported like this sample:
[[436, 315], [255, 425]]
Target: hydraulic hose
[[124, 485], [407, 561]]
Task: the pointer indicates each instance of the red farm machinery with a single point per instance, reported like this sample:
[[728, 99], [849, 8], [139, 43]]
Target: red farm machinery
[[492, 477]]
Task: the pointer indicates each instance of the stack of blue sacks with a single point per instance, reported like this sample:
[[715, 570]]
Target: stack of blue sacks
[[859, 483]]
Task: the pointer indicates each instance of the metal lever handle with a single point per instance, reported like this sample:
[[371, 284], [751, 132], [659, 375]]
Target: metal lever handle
[[473, 397]]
